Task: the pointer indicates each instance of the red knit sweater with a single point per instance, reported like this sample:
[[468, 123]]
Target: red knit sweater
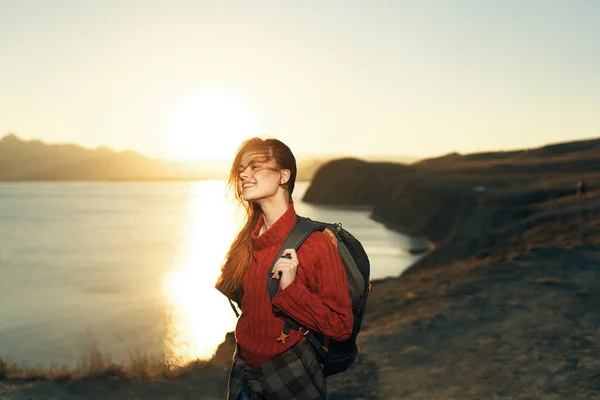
[[318, 297]]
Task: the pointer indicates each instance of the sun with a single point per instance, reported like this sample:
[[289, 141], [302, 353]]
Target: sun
[[210, 124]]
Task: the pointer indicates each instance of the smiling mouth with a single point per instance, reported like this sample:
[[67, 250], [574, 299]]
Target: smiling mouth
[[248, 185]]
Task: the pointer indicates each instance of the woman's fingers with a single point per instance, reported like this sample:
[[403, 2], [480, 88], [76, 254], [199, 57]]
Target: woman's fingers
[[292, 253], [284, 265], [280, 268], [285, 268]]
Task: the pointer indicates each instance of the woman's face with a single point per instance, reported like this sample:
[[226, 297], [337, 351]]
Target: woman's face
[[258, 176]]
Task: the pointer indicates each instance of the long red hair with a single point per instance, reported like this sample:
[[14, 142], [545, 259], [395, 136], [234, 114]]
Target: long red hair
[[239, 256]]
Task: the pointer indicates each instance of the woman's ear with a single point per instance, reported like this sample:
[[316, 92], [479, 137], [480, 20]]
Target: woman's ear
[[284, 176]]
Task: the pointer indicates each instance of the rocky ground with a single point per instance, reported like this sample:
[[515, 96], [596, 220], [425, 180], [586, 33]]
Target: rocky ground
[[521, 329]]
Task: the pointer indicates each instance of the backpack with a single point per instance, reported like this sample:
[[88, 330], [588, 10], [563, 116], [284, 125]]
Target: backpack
[[335, 356]]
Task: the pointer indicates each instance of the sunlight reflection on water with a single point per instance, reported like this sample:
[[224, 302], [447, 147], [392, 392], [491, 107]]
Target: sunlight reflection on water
[[200, 314]]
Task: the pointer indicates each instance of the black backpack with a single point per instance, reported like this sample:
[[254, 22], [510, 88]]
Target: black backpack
[[335, 356]]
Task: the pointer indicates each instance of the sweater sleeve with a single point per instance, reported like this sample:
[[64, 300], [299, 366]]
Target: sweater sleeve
[[326, 308]]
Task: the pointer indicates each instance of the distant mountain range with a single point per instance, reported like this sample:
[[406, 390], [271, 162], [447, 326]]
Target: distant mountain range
[[34, 160]]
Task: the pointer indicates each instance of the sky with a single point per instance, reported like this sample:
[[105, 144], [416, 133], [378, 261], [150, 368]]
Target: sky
[[191, 79]]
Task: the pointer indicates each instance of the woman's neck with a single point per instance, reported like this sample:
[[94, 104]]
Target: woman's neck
[[272, 212]]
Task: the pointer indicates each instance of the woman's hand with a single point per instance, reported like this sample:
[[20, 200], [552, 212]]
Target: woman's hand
[[286, 267]]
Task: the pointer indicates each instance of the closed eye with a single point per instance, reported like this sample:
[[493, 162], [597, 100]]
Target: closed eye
[[254, 165]]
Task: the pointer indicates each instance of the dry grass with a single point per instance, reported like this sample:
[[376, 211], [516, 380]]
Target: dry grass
[[98, 365]]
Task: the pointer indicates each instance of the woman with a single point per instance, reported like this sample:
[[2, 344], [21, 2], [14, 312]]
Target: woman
[[313, 288]]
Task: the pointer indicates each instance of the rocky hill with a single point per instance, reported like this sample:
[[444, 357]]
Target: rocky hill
[[467, 205]]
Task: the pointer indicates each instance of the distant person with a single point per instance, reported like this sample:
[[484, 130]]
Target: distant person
[[313, 287], [581, 189]]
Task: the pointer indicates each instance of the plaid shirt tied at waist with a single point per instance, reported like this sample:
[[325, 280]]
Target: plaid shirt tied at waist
[[293, 374]]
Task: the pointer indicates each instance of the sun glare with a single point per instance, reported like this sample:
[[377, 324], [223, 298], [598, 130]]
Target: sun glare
[[200, 315], [210, 124]]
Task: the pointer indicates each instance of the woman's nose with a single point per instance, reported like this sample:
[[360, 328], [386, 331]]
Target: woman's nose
[[244, 174]]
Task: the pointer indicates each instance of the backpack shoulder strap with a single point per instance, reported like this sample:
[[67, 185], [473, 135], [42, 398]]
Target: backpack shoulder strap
[[299, 233]]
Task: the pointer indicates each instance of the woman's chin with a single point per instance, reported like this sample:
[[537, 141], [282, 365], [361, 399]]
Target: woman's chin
[[249, 195]]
